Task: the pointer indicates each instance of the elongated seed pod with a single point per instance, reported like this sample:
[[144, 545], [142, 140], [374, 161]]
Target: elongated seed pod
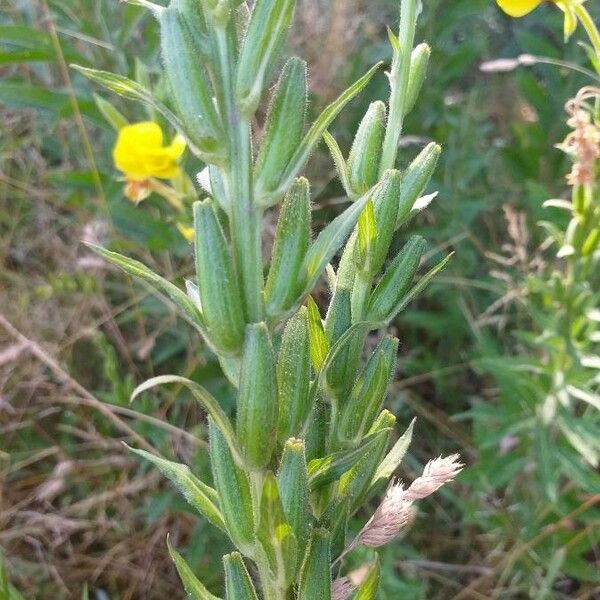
[[416, 178], [419, 61], [191, 95], [369, 391], [363, 161], [294, 491], [338, 321], [396, 281], [284, 127], [217, 285], [233, 488], [293, 377], [238, 585], [257, 399], [261, 48], [291, 243], [315, 578]]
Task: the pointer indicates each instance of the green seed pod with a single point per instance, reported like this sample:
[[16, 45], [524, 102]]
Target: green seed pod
[[368, 392], [217, 285], [365, 155], [315, 578], [293, 377], [257, 399], [419, 62], [261, 48], [284, 128], [233, 488], [396, 281], [355, 483], [276, 534], [338, 321], [294, 491], [416, 178], [238, 585], [385, 209], [191, 95], [291, 243], [591, 242]]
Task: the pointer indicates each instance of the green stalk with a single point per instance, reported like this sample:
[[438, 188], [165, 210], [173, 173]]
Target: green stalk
[[245, 217], [399, 84]]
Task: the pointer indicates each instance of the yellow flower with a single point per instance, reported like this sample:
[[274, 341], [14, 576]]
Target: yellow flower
[[518, 8], [139, 152]]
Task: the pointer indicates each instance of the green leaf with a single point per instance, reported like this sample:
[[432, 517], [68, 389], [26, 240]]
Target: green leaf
[[419, 61], [368, 588], [367, 232], [394, 457], [238, 584], [330, 468], [110, 113], [205, 399], [193, 587], [199, 495], [161, 285], [339, 162]]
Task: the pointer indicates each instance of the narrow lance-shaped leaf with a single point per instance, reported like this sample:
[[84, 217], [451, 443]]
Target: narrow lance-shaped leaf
[[315, 578], [217, 284], [238, 585], [110, 113], [193, 587], [367, 232], [340, 163], [257, 399], [291, 243], [205, 398], [368, 588], [276, 535], [394, 457], [294, 490], [201, 496], [266, 32], [313, 136], [233, 488], [141, 271], [293, 376], [365, 155], [284, 128]]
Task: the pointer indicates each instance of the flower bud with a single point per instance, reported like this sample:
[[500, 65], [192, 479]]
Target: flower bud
[[217, 285], [261, 48], [419, 61], [365, 155], [415, 180], [238, 585], [257, 399], [233, 488], [283, 130], [292, 238], [315, 578], [190, 92], [396, 281], [293, 376]]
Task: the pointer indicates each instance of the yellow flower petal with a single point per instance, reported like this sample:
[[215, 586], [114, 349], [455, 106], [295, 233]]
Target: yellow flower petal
[[518, 8], [139, 152]]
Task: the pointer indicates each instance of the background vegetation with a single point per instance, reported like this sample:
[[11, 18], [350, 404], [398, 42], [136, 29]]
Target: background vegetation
[[75, 336]]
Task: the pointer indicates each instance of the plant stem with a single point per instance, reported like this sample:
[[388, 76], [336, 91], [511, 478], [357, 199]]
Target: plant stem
[[245, 217], [399, 83]]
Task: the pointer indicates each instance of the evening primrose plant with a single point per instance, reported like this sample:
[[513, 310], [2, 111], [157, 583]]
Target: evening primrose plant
[[310, 442]]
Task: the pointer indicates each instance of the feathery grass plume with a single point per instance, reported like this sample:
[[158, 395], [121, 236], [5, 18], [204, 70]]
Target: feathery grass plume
[[310, 440]]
